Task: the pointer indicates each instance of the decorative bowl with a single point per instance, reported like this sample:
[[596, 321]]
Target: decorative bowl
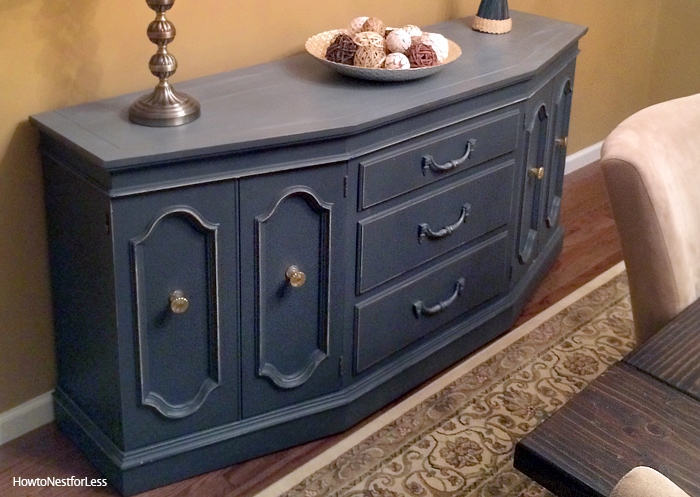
[[317, 45]]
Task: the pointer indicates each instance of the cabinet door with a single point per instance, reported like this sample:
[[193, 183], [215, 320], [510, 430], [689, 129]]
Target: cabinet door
[[546, 136], [536, 171], [175, 254], [291, 281], [563, 93]]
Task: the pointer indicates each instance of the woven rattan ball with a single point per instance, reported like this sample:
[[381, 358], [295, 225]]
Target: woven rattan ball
[[438, 43], [421, 55], [370, 39], [357, 23], [342, 50], [376, 25], [372, 57]]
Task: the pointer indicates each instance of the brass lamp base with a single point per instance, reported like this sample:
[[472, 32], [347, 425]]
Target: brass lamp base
[[164, 107]]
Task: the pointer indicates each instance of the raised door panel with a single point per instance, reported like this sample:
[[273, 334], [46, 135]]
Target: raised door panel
[[563, 94], [291, 240], [178, 338], [177, 254], [535, 173]]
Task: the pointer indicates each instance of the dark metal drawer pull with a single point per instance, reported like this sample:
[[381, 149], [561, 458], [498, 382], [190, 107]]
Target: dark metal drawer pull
[[419, 308], [424, 230], [429, 162]]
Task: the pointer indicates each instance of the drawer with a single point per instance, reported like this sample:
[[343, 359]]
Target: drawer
[[409, 166], [401, 239], [409, 312]]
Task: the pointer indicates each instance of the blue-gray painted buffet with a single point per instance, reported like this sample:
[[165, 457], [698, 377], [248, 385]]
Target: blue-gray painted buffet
[[310, 249]]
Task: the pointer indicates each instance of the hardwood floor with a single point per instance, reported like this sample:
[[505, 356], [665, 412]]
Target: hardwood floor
[[591, 246]]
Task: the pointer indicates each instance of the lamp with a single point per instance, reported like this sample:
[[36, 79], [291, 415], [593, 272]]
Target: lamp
[[493, 17], [164, 106]]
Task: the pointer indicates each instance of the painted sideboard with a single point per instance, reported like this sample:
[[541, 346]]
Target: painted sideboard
[[309, 250]]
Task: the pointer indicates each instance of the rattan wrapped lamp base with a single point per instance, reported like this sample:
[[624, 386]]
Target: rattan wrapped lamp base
[[493, 26], [493, 17]]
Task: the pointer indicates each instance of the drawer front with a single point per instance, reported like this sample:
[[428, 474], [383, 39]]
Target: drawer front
[[407, 167], [401, 239], [398, 318]]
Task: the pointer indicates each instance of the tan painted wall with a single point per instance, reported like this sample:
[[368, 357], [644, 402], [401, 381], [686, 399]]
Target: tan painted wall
[[676, 59], [57, 53]]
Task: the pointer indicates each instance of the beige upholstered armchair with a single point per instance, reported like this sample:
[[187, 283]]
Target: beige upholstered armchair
[[646, 482], [651, 165]]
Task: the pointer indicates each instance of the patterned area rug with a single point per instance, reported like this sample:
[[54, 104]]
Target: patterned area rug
[[459, 437]]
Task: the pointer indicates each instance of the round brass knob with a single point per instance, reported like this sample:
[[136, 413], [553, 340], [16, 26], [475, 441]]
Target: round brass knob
[[295, 276], [562, 142], [178, 302], [537, 172]]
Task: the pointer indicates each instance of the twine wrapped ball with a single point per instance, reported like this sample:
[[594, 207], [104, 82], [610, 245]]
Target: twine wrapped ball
[[369, 39], [376, 25], [421, 55], [369, 56], [356, 24], [438, 43], [396, 61], [342, 50], [398, 41]]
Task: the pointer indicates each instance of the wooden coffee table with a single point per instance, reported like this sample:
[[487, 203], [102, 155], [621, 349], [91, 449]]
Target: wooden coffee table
[[645, 410]]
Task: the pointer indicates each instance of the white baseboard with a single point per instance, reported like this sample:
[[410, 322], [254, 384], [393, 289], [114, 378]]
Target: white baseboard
[[26, 417], [583, 157]]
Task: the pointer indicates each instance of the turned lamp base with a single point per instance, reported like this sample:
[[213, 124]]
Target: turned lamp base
[[164, 107]]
